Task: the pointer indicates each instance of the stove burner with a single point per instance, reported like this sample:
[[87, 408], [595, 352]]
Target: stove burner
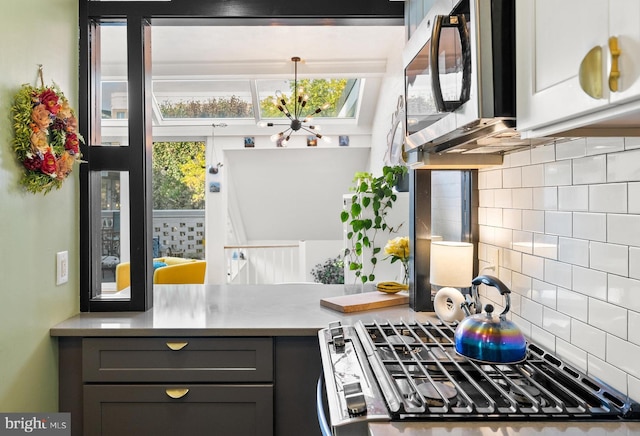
[[522, 398], [430, 391], [401, 340]]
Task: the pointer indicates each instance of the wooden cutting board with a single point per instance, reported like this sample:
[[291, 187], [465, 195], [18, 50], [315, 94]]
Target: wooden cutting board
[[365, 301]]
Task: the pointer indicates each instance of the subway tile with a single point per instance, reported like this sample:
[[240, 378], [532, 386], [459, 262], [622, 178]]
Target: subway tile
[[573, 198], [609, 257], [503, 237], [571, 149], [573, 304], [494, 217], [523, 241], [623, 229], [624, 292], [531, 311], [512, 259], [523, 324], [608, 198], [631, 143], [545, 198], [634, 197], [603, 145], [516, 300], [572, 355], [543, 338], [545, 246], [533, 266], [591, 226], [557, 323], [533, 221], [521, 284], [522, 198], [512, 218], [558, 223], [623, 355], [520, 158], [557, 173], [589, 282], [533, 175], [634, 328], [558, 273], [487, 234], [502, 198], [588, 338], [591, 169], [606, 372], [504, 275], [542, 154], [486, 198], [634, 387], [573, 251], [634, 262], [623, 167], [482, 179], [544, 293], [482, 251], [608, 317], [512, 178], [482, 215], [493, 179]]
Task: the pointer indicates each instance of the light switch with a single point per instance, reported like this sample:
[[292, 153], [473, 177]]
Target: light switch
[[62, 267]]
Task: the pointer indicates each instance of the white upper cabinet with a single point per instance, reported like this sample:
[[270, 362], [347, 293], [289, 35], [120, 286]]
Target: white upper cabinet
[[562, 90]]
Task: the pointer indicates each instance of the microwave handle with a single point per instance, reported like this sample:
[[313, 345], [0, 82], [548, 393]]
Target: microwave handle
[[450, 105]]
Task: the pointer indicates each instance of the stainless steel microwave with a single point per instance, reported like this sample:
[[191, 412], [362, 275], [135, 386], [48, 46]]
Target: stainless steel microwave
[[460, 94]]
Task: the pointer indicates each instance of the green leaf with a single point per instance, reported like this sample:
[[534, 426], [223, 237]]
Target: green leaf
[[344, 216], [376, 250], [355, 210], [366, 201], [372, 277], [374, 260]]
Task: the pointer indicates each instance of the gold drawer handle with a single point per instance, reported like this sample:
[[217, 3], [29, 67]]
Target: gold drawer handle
[[590, 74], [614, 74], [177, 392], [176, 346]]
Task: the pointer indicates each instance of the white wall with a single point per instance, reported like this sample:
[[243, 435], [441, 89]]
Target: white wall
[[566, 220]]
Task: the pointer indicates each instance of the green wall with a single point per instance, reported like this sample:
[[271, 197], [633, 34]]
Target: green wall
[[34, 227]]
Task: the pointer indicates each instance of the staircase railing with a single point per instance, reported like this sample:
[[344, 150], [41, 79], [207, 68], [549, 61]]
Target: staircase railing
[[263, 264]]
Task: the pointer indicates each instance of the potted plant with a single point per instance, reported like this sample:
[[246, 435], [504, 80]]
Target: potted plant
[[372, 198], [331, 272]]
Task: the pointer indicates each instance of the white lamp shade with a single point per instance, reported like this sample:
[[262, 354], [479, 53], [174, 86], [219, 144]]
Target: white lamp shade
[[451, 264]]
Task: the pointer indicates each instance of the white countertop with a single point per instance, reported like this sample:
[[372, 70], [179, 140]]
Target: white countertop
[[230, 310]]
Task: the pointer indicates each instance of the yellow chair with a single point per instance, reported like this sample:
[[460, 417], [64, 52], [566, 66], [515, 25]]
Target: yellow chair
[[176, 271]]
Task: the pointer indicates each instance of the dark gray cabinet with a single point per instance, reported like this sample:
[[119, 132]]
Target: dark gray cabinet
[[233, 386]]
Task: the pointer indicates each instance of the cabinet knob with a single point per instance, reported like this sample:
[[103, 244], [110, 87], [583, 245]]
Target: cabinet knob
[[614, 74], [177, 392], [590, 73], [176, 346]]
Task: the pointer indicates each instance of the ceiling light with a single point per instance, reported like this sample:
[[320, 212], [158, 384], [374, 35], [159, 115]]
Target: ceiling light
[[298, 119]]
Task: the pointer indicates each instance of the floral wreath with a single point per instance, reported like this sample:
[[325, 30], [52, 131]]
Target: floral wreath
[[46, 141]]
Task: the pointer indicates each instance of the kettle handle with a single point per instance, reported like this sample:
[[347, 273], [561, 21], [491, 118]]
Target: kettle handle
[[496, 283]]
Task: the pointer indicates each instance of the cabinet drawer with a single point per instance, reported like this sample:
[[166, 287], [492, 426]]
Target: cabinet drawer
[[176, 360], [148, 410]]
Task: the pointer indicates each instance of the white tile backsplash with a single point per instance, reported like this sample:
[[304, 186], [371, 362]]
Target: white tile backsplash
[[588, 338], [571, 214], [557, 173], [589, 282], [624, 292], [592, 169], [623, 167], [608, 317], [571, 149], [623, 229], [608, 198], [591, 226], [573, 198], [545, 198], [558, 223], [610, 258]]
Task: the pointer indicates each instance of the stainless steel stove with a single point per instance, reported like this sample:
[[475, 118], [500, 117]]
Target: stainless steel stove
[[411, 371]]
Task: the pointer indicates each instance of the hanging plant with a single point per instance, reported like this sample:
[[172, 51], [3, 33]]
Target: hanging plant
[[372, 199], [46, 140]]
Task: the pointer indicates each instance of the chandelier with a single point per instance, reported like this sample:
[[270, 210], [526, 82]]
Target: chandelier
[[298, 119]]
